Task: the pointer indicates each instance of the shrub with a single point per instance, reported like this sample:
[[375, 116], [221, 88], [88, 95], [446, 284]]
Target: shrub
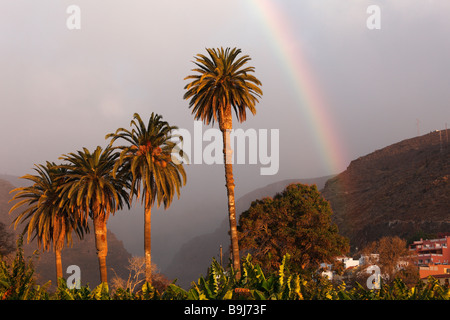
[[17, 283], [16, 278]]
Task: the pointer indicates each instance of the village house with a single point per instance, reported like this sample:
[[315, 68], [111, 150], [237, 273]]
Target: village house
[[432, 257], [348, 263]]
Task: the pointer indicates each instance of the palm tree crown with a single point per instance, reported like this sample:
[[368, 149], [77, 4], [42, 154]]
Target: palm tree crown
[[148, 158], [90, 186], [222, 81], [46, 213]]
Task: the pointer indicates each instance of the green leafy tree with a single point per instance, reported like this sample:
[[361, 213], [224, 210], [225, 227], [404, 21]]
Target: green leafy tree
[[296, 221], [224, 84], [48, 217], [91, 189], [153, 173]]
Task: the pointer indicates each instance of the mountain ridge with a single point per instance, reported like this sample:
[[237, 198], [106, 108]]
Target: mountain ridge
[[402, 189]]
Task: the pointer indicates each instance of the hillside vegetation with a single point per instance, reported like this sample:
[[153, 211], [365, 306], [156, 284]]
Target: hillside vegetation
[[400, 190]]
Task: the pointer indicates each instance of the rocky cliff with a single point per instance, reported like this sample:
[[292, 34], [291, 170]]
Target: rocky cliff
[[402, 189]]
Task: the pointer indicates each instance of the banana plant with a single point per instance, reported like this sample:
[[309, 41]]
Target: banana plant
[[17, 278], [217, 285], [65, 293]]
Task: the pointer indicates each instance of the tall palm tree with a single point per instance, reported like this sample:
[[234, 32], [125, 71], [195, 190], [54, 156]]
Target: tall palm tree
[[49, 218], [91, 189], [148, 158], [223, 84]]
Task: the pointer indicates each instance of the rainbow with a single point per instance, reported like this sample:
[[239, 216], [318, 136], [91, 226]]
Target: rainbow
[[311, 101]]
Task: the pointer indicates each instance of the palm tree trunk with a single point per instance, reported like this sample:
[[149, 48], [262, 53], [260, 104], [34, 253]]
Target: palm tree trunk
[[148, 240], [59, 272], [101, 243], [60, 232], [226, 125]]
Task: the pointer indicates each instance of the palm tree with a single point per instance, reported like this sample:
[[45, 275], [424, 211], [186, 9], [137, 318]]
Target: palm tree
[[223, 84], [91, 189], [48, 216], [148, 158]]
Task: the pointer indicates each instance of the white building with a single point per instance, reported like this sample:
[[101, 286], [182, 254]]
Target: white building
[[368, 259], [348, 263]]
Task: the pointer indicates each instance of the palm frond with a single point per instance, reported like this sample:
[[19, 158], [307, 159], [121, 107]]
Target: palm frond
[[148, 160], [222, 81], [46, 212]]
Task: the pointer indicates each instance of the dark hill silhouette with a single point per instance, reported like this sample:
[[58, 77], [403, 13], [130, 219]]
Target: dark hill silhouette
[[401, 190]]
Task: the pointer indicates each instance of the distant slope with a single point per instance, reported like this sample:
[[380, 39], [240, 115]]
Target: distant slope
[[196, 254], [15, 181], [83, 253], [398, 190]]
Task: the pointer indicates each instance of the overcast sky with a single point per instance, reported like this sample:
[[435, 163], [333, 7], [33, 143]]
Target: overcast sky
[[61, 89]]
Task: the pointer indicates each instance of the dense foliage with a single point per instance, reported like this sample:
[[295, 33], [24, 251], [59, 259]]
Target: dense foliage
[[17, 283], [296, 221]]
